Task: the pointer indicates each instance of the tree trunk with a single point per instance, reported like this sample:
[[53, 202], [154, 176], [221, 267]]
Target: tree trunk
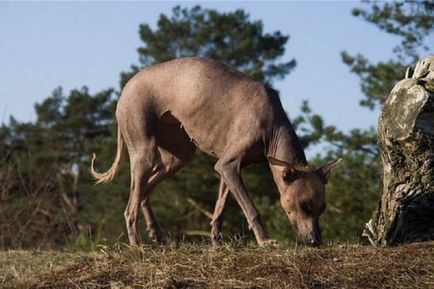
[[405, 212]]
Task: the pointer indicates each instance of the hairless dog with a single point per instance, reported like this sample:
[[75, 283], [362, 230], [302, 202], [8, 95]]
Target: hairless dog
[[168, 109]]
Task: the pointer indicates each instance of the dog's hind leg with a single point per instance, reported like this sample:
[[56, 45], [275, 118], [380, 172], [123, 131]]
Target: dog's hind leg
[[176, 151]]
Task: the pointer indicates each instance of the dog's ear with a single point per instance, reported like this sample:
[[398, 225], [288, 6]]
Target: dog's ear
[[288, 172], [325, 170]]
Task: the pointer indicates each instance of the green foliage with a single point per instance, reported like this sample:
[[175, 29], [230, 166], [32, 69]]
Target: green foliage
[[376, 80], [413, 22], [230, 37], [45, 165], [312, 130]]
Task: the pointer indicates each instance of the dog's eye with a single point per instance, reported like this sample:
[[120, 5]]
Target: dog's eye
[[289, 178], [306, 207]]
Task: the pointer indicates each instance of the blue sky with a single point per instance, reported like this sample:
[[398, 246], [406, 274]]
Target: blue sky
[[71, 44]]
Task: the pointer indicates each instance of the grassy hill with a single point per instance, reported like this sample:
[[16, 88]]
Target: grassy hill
[[200, 266]]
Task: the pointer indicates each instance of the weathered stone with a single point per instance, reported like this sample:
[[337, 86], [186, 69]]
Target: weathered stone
[[405, 212]]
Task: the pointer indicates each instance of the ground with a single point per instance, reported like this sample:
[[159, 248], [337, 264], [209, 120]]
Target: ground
[[231, 266]]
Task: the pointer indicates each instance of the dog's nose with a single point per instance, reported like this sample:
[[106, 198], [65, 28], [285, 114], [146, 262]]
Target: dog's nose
[[315, 242]]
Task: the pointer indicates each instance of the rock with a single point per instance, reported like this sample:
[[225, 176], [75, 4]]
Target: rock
[[405, 212]]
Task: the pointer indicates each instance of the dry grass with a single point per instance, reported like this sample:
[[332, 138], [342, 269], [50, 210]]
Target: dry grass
[[194, 266]]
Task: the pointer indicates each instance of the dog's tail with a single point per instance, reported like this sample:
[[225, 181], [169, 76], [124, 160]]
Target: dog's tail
[[109, 175]]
